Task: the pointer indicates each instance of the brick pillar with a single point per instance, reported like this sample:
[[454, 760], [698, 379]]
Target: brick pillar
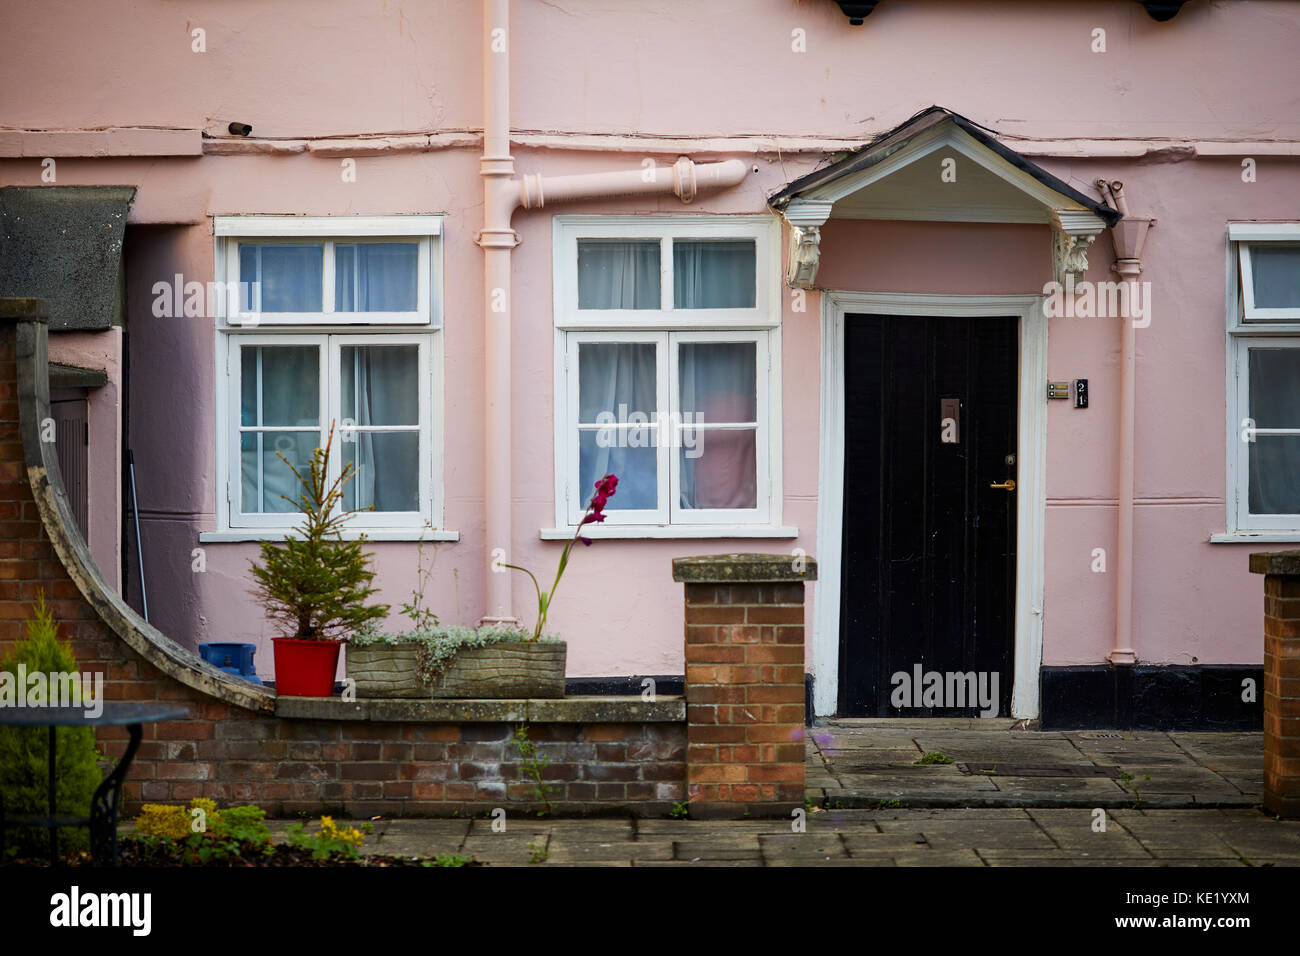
[[1281, 570], [744, 682]]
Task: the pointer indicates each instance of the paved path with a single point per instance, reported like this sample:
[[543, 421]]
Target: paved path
[[1172, 799], [866, 764], [933, 837]]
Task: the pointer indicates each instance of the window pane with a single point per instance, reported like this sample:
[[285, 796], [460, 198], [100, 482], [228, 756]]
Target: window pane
[[618, 275], [376, 276], [719, 468], [257, 454], [617, 378], [289, 385], [717, 382], [1275, 274], [1275, 388], [290, 277], [629, 453], [387, 471], [381, 384], [1275, 475], [713, 274]]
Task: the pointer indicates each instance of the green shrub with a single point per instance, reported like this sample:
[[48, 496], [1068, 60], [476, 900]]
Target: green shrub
[[24, 751], [176, 834]]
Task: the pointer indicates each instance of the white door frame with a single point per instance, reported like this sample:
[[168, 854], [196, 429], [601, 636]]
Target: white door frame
[[1031, 483]]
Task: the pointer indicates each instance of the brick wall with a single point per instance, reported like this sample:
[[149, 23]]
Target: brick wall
[[404, 768], [740, 748], [359, 767], [744, 682], [1281, 680]]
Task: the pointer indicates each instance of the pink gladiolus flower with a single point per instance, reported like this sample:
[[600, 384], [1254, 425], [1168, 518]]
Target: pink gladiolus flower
[[594, 514]]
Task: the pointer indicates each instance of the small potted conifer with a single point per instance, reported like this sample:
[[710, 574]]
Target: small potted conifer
[[315, 587]]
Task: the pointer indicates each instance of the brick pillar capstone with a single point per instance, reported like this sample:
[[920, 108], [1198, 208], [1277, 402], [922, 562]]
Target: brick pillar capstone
[[744, 682], [1281, 570]]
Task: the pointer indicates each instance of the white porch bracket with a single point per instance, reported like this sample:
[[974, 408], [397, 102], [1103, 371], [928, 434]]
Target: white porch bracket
[[806, 217], [1073, 232]]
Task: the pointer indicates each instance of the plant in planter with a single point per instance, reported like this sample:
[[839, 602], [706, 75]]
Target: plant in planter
[[595, 513], [520, 664], [393, 665], [495, 661], [315, 587]]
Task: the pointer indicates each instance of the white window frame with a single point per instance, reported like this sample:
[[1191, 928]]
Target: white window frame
[[331, 346], [331, 333], [766, 313], [232, 231], [668, 327], [1248, 328]]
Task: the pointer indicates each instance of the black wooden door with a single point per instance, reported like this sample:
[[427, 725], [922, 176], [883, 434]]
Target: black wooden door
[[929, 545]]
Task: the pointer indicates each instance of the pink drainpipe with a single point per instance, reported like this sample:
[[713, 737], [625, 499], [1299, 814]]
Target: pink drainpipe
[[1128, 236], [502, 195]]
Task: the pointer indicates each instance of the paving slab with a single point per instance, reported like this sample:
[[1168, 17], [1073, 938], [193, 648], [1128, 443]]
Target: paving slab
[[572, 849], [939, 858], [894, 837], [869, 763]]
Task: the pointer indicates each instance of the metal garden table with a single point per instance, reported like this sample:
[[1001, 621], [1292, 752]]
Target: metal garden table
[[108, 796]]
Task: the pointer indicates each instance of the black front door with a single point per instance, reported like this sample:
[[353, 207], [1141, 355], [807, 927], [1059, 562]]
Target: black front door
[[927, 622]]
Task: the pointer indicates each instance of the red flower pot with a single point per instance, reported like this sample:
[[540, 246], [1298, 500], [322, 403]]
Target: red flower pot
[[305, 668]]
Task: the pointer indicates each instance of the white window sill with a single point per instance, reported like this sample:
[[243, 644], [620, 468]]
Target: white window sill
[[377, 534], [1256, 537], [601, 532]]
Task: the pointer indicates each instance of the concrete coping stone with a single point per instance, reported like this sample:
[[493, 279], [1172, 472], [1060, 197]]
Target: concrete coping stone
[[744, 569], [1275, 562], [560, 710]]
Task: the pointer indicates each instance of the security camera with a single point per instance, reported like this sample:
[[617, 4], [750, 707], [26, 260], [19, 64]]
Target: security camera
[[240, 129]]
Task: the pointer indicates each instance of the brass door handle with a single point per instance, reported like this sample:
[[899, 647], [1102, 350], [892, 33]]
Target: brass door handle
[[1008, 485]]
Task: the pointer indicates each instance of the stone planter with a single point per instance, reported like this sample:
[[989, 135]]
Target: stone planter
[[386, 670], [508, 669]]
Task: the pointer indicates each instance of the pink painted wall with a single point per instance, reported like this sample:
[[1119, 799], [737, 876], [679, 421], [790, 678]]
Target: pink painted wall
[[305, 68], [296, 70]]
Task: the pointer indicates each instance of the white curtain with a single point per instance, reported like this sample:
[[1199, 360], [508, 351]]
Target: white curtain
[[618, 275], [289, 277], [1275, 403], [279, 386], [376, 277], [381, 387], [713, 274], [717, 382], [610, 375]]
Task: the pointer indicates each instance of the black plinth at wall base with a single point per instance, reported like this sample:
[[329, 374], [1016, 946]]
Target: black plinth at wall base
[[1148, 697], [669, 684]]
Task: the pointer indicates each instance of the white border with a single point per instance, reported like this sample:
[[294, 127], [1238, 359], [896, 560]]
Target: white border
[[281, 227], [382, 226], [1242, 334], [1031, 492], [764, 321]]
